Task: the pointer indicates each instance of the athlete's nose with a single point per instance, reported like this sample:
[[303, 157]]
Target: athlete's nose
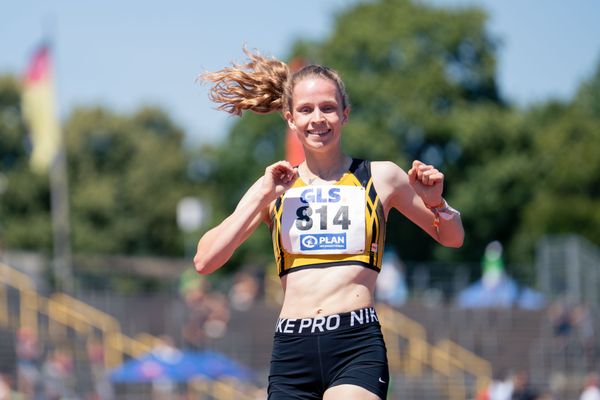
[[318, 116]]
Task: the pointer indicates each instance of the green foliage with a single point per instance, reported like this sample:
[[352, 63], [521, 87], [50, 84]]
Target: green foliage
[[588, 97], [487, 182], [24, 200], [126, 176], [565, 173]]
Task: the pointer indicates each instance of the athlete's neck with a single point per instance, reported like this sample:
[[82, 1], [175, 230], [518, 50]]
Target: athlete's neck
[[317, 167]]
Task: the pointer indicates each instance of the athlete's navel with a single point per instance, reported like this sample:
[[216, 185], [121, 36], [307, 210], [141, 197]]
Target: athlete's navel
[[319, 311]]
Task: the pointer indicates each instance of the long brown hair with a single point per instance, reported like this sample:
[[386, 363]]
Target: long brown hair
[[263, 85]]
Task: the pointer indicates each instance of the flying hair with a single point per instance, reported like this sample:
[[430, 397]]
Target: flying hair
[[262, 85], [256, 85]]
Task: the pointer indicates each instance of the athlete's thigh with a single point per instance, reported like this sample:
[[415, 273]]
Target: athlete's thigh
[[349, 392]]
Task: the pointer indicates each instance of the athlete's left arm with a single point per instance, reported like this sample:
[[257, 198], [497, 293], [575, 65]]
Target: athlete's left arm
[[412, 193]]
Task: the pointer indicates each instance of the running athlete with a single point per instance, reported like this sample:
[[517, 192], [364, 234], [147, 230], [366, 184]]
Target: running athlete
[[327, 217]]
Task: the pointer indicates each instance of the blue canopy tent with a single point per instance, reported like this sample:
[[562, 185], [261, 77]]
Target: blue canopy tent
[[179, 366], [496, 289], [505, 293]]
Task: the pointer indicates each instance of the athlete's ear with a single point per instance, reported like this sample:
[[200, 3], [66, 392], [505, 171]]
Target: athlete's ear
[[290, 121], [345, 115]]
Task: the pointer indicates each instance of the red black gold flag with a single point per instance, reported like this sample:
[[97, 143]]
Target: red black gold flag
[[39, 111]]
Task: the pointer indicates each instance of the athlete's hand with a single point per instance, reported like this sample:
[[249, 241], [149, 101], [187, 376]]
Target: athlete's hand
[[278, 178], [427, 181]]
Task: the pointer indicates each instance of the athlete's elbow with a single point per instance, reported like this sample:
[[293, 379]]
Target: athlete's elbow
[[455, 242], [202, 265], [204, 259]]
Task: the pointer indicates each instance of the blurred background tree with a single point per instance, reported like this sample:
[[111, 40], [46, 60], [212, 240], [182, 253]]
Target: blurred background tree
[[126, 173], [24, 198], [422, 84]]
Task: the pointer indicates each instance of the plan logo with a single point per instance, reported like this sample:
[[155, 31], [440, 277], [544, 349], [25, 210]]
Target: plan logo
[[308, 242], [323, 241]]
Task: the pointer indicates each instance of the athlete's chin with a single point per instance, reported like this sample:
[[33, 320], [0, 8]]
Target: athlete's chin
[[320, 144], [318, 147]]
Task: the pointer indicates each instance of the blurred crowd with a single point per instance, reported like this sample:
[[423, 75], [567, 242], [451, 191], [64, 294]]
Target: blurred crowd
[[517, 386], [573, 322], [208, 310], [51, 373]]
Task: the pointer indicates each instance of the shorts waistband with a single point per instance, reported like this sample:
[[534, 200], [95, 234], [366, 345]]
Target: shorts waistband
[[327, 323]]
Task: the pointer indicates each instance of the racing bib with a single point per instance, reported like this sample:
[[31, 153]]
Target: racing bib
[[324, 219]]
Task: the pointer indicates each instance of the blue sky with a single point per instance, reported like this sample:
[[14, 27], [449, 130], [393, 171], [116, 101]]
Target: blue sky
[[125, 54]]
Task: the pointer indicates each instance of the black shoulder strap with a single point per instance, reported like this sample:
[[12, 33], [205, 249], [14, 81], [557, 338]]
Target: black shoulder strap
[[278, 202], [361, 170]]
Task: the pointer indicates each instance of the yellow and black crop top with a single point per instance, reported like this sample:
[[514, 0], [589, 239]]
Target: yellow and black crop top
[[359, 174]]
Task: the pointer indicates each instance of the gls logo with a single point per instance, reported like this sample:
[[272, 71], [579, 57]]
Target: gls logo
[[320, 195]]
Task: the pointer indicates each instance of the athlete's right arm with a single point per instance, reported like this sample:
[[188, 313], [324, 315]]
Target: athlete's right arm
[[217, 245]]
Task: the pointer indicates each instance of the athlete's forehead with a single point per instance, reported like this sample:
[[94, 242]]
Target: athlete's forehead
[[314, 89]]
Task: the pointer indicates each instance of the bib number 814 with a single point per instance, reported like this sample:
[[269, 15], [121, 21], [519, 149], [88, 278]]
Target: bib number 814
[[305, 220]]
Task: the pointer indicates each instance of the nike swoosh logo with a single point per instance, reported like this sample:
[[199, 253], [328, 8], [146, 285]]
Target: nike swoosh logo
[[381, 380]]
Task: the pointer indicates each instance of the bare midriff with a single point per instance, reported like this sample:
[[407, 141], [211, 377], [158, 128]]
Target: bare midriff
[[317, 292]]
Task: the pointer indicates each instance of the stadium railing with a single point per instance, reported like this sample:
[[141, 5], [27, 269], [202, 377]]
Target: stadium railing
[[53, 318]]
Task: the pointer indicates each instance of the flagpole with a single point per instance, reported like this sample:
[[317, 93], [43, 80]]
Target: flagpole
[[59, 191], [61, 232], [59, 197]]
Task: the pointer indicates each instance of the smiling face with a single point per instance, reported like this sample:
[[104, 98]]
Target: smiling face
[[317, 113]]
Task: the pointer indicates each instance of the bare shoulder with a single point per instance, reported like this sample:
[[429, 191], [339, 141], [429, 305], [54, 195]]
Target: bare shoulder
[[387, 173], [389, 180]]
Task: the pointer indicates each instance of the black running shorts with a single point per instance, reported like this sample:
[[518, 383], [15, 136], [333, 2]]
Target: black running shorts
[[311, 355]]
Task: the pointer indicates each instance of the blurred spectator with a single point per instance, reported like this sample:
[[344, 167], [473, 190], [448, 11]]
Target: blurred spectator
[[28, 358], [95, 353], [500, 388], [591, 391], [391, 285], [521, 387], [583, 326], [560, 317], [207, 312], [58, 374], [244, 291], [193, 289], [192, 284], [217, 319]]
